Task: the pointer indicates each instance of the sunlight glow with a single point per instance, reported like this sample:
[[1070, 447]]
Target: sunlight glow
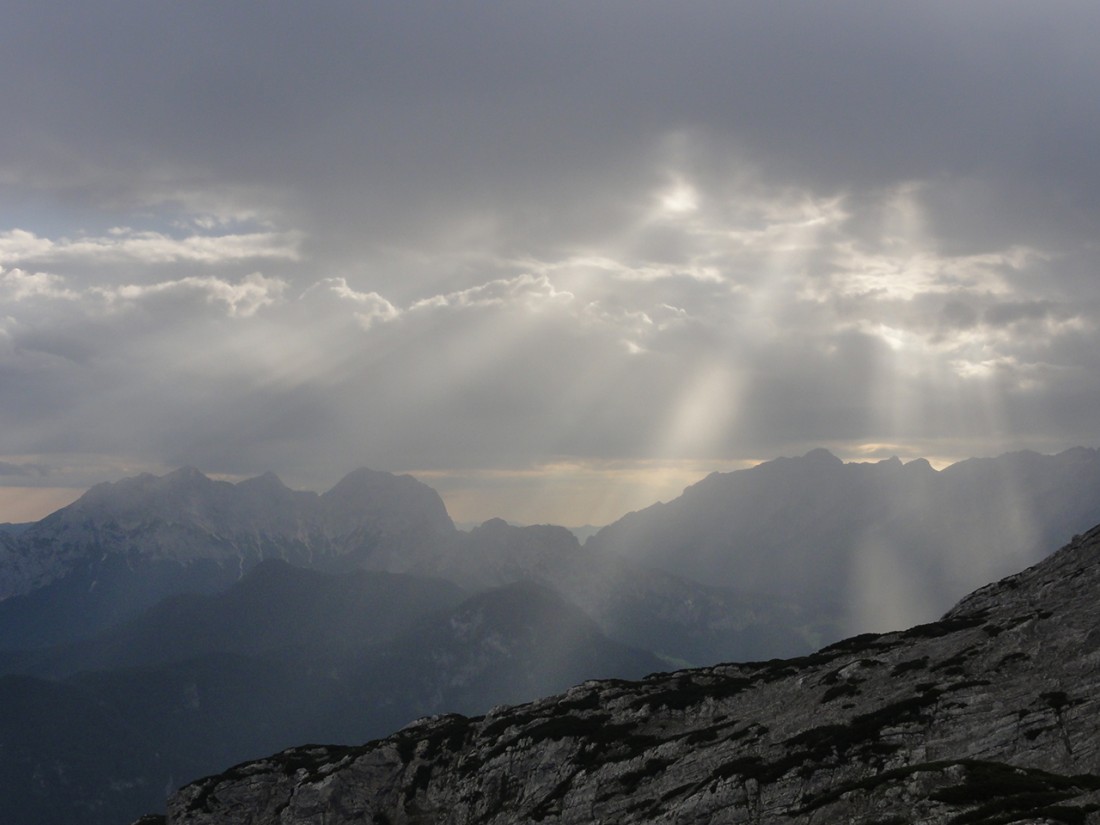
[[23, 504], [697, 292], [887, 593], [678, 199], [569, 492], [701, 415]]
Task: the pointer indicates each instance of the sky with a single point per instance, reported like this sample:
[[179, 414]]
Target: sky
[[556, 259]]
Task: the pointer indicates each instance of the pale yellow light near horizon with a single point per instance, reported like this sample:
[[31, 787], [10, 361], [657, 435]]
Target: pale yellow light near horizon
[[570, 493], [24, 504]]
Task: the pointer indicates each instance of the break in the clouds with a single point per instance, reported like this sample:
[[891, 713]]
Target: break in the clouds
[[600, 247]]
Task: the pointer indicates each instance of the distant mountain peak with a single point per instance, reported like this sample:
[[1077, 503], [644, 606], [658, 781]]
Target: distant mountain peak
[[267, 482], [394, 501], [186, 473], [361, 476], [491, 525], [819, 455], [498, 531], [184, 517]]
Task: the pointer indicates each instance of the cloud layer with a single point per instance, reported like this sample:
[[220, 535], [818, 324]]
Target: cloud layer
[[477, 240]]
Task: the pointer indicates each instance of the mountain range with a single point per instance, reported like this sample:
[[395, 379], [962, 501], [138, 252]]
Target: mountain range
[[159, 629], [123, 547], [775, 559]]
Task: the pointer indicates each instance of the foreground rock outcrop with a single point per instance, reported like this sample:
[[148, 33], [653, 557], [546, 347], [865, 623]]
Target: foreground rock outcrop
[[990, 715]]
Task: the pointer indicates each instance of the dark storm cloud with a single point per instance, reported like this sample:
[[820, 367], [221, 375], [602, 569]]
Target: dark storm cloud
[[263, 235]]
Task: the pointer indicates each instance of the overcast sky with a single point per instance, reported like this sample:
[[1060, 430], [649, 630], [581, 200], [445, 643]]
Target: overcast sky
[[557, 259]]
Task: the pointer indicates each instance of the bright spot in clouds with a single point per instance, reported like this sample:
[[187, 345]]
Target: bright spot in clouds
[[681, 198]]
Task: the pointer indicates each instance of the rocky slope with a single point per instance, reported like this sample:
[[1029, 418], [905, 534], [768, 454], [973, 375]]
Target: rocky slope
[[991, 714]]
